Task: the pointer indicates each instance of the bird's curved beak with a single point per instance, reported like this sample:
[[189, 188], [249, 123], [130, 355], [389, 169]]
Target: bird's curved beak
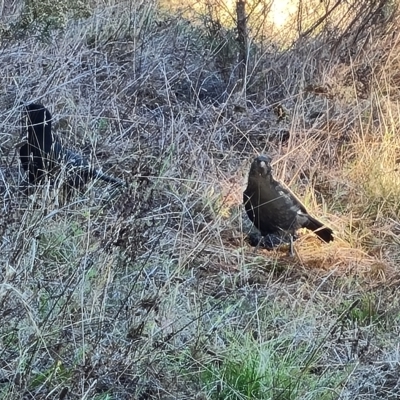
[[264, 167]]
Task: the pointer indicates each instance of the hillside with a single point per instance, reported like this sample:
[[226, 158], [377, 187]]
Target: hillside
[[153, 291]]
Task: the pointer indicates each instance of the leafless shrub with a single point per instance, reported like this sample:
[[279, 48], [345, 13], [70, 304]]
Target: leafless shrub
[[135, 293]]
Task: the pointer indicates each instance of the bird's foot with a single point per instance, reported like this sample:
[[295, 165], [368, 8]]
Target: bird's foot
[[268, 242]]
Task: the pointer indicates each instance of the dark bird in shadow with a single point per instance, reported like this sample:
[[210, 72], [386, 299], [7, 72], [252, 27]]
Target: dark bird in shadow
[[274, 209], [43, 153], [35, 153]]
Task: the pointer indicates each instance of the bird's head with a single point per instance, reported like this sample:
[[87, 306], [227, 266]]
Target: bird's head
[[261, 166]]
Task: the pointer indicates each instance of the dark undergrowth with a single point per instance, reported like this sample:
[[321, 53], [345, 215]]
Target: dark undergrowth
[[153, 291]]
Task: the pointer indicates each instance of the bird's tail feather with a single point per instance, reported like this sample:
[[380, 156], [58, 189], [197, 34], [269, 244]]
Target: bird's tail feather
[[325, 233], [108, 178]]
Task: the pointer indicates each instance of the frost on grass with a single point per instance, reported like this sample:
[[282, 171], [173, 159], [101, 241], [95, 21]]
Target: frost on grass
[[153, 291]]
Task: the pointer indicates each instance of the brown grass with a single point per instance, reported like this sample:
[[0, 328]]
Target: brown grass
[[137, 294]]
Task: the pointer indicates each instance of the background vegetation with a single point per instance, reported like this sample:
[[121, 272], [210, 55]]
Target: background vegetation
[[154, 292]]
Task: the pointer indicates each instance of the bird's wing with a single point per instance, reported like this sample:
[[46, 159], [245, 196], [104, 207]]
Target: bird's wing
[[297, 202], [303, 211]]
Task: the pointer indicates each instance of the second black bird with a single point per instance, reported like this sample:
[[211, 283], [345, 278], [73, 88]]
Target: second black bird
[[36, 154], [43, 153], [274, 209]]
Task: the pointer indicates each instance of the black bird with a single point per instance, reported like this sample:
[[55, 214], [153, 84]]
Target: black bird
[[43, 153], [34, 154], [273, 208]]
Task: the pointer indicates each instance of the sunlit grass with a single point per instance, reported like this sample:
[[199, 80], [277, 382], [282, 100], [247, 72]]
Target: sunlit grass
[[154, 292]]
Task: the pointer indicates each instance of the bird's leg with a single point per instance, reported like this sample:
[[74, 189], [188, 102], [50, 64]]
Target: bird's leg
[[258, 244], [291, 251]]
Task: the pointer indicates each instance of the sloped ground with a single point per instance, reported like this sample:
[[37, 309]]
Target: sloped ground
[[151, 292]]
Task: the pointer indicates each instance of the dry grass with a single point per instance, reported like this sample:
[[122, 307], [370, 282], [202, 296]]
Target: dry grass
[[151, 292]]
